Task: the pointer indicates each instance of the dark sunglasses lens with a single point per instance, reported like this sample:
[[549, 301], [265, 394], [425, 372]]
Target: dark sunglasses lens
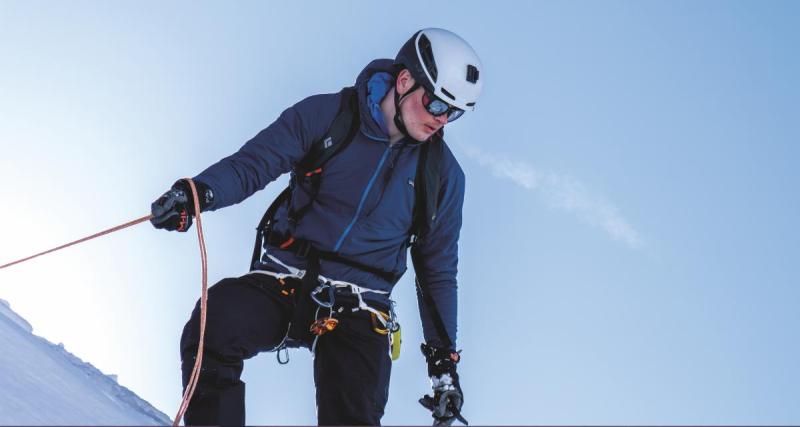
[[437, 107], [454, 114]]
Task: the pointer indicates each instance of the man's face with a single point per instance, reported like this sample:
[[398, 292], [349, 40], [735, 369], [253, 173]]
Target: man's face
[[419, 122]]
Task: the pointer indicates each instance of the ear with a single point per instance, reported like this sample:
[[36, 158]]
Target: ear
[[404, 82]]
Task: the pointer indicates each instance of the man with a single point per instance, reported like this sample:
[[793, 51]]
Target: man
[[336, 243]]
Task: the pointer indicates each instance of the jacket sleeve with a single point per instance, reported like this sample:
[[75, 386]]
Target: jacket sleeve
[[435, 261], [271, 153]]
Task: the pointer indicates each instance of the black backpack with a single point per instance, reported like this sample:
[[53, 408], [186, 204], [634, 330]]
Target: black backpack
[[309, 169]]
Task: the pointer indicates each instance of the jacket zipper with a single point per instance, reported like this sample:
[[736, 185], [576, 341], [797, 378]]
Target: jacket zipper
[[363, 199], [393, 160]]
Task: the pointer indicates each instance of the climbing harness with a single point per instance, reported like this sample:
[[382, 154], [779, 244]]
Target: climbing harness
[[328, 287], [324, 295]]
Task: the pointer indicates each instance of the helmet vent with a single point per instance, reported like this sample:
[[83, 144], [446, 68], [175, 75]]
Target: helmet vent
[[472, 74], [444, 91], [426, 52]]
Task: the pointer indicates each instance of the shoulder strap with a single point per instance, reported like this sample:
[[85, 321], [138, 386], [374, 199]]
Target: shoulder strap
[[342, 130], [427, 185], [339, 135]]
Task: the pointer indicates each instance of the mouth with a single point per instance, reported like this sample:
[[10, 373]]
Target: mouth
[[432, 128]]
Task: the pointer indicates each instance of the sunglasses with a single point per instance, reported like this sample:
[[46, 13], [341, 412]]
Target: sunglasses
[[436, 107]]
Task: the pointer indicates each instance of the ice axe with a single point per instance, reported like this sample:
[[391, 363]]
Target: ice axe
[[444, 407]]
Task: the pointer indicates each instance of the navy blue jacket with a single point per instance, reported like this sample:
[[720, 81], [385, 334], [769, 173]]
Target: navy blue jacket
[[364, 207]]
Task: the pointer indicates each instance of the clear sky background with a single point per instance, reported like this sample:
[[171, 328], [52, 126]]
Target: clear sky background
[[630, 245]]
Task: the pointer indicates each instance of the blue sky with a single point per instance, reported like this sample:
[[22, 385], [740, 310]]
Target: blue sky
[[629, 250]]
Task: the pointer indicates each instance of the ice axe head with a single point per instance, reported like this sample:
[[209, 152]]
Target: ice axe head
[[444, 407]]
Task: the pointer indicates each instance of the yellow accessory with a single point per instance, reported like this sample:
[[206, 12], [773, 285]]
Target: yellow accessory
[[395, 338]]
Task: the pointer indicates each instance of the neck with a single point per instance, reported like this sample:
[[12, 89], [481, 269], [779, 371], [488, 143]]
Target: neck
[[387, 107]]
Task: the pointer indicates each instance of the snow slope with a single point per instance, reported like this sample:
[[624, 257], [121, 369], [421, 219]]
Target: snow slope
[[43, 384]]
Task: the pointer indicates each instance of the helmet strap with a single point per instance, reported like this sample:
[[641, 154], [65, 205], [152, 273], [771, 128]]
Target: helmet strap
[[398, 117]]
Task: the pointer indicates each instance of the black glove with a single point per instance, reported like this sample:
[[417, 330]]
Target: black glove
[[173, 211], [448, 398]]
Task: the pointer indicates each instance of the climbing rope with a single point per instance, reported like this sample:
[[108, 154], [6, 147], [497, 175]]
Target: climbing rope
[[189, 391], [102, 233], [190, 387]]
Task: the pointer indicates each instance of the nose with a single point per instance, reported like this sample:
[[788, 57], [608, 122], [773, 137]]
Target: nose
[[442, 120]]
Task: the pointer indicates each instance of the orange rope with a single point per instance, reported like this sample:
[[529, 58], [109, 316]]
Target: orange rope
[[190, 386], [102, 233]]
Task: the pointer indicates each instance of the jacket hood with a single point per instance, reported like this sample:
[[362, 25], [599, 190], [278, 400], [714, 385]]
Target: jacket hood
[[372, 84]]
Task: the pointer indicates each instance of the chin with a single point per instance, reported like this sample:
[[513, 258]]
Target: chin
[[421, 135]]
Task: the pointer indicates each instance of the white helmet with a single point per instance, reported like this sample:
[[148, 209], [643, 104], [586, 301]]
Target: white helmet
[[444, 64]]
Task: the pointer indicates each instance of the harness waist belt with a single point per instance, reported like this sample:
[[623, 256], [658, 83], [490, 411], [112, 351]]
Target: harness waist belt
[[305, 249]]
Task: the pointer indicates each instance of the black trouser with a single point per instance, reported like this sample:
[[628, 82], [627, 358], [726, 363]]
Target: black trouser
[[249, 315]]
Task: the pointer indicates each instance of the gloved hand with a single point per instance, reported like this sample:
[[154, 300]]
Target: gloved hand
[[173, 211], [448, 398]]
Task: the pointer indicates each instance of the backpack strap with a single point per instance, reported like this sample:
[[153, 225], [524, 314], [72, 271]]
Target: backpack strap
[[263, 225], [339, 135], [435, 314], [427, 186]]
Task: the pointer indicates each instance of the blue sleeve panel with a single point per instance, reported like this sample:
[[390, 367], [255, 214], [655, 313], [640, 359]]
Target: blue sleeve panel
[[271, 153], [436, 257]]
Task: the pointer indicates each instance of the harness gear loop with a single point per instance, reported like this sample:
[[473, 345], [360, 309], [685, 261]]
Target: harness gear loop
[[382, 323], [377, 326], [320, 326], [356, 290], [285, 350]]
